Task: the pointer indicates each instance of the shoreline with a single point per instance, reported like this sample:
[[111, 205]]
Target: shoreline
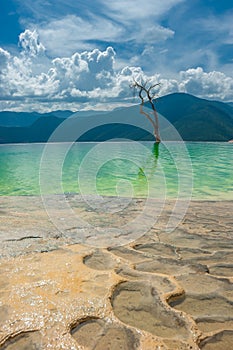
[[26, 220]]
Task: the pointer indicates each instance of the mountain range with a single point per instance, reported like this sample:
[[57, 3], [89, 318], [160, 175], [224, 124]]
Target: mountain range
[[194, 118]]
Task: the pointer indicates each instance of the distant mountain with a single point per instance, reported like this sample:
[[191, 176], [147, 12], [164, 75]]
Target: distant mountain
[[22, 119], [194, 118], [197, 119], [178, 105], [18, 118]]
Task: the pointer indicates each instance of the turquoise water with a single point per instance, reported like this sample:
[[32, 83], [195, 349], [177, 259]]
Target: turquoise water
[[171, 170]]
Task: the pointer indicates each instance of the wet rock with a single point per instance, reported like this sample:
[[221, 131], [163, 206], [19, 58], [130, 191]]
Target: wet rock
[[209, 306], [100, 261], [201, 284], [24, 341], [126, 253], [208, 325], [222, 270], [163, 284], [139, 305], [157, 249], [98, 334], [171, 266], [220, 341], [4, 312]]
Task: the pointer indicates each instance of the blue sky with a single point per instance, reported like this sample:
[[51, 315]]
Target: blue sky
[[68, 54]]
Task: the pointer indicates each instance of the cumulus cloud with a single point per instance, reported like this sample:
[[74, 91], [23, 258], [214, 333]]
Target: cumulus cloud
[[71, 27], [29, 41], [212, 85], [85, 71], [82, 76], [88, 79], [116, 22]]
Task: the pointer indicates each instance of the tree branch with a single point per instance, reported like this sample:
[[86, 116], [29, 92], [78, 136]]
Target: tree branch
[[155, 122]]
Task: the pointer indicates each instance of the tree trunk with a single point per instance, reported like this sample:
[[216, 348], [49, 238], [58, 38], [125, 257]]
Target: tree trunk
[[155, 122]]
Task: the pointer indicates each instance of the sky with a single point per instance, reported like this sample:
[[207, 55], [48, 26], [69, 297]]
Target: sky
[[85, 54]]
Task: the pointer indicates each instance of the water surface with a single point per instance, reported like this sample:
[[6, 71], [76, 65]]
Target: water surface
[[203, 170]]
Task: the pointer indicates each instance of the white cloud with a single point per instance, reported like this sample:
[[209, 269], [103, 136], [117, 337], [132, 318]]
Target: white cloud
[[120, 11], [85, 71], [89, 79], [71, 33], [152, 34], [103, 21], [212, 85], [29, 41], [132, 10], [4, 58], [168, 35], [69, 27]]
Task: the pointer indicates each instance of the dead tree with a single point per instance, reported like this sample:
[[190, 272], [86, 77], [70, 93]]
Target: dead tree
[[154, 120]]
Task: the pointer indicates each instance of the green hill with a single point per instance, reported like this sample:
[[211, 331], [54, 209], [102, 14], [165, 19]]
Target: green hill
[[195, 119]]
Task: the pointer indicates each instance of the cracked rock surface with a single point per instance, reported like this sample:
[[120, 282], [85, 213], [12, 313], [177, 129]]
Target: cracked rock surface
[[159, 291]]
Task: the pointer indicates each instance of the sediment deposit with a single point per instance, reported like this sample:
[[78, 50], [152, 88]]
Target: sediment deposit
[[159, 291]]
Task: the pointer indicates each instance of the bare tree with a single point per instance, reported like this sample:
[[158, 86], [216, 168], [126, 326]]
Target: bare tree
[[150, 95]]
